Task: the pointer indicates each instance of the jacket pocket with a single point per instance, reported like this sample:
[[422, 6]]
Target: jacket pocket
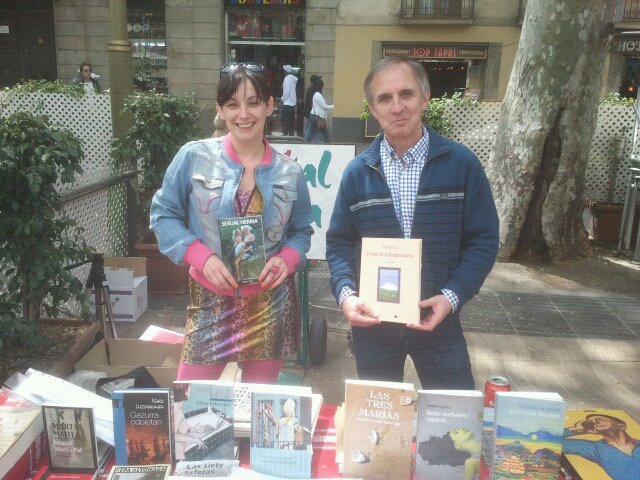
[[283, 198], [207, 192]]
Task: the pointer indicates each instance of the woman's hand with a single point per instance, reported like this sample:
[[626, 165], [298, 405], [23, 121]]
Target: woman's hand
[[273, 273], [218, 274]]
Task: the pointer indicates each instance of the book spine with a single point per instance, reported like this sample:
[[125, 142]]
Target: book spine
[[119, 429]]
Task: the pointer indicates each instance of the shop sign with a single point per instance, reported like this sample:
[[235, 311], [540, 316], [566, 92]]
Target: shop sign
[[4, 29], [264, 3], [436, 51], [628, 46]]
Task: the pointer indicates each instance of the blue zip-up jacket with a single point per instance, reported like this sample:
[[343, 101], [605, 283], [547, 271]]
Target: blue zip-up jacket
[[455, 216]]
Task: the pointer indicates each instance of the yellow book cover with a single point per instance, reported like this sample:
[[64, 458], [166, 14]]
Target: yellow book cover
[[390, 278], [378, 429], [601, 444]]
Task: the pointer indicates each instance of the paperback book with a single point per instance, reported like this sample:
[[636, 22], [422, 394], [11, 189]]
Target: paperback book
[[378, 429], [527, 435], [139, 472], [390, 278], [242, 247], [203, 426], [601, 444], [448, 435], [281, 428], [142, 426], [71, 438]]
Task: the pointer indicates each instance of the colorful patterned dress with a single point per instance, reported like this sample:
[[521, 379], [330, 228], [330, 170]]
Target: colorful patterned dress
[[224, 329]]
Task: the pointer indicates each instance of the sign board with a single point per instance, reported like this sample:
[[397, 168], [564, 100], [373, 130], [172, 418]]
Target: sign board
[[323, 166], [264, 3], [4, 29], [435, 51]]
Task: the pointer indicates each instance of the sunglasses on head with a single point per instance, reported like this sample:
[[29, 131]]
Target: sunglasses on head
[[252, 67]]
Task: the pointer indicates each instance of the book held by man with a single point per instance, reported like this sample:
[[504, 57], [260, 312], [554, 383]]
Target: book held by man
[[378, 429], [527, 435], [203, 426], [242, 247], [390, 278], [142, 426], [449, 433], [601, 444], [71, 438]]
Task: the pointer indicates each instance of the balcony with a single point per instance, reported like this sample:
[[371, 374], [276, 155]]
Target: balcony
[[436, 11], [631, 11]]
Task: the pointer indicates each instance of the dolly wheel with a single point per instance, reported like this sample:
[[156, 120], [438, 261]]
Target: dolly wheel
[[317, 341]]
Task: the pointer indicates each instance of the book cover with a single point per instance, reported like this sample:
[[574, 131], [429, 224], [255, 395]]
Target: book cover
[[448, 435], [280, 439], [527, 435], [203, 426], [242, 247], [20, 429], [601, 444], [390, 278], [45, 473], [139, 472], [142, 426], [378, 429], [71, 438]]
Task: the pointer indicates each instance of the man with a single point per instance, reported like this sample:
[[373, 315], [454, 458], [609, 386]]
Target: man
[[87, 78], [617, 453], [413, 182], [289, 100], [308, 101]]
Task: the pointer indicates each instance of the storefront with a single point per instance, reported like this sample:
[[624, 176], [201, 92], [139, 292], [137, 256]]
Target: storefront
[[451, 68], [628, 46], [146, 26], [272, 33]]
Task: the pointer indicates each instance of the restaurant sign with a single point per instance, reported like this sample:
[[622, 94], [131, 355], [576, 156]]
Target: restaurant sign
[[627, 45], [264, 3], [435, 51]]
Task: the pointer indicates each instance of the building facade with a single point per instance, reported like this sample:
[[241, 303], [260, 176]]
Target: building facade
[[466, 46]]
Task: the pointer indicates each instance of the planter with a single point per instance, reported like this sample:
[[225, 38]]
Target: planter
[[605, 222], [163, 276]]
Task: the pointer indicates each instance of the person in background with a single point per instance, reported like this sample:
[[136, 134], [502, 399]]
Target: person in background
[[220, 127], [308, 102], [289, 101], [413, 183], [237, 175], [318, 114], [87, 78]]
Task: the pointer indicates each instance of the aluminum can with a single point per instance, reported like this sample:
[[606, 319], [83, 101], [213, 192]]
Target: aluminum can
[[494, 384]]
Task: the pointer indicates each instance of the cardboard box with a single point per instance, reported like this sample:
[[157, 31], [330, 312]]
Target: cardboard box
[[127, 279], [161, 359]]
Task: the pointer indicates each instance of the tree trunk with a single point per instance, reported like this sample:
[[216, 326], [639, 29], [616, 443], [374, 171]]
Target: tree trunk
[[546, 123]]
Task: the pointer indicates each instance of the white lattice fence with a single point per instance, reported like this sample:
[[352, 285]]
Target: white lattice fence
[[102, 213], [476, 127]]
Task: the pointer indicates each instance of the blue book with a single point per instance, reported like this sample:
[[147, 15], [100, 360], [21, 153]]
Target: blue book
[[202, 426], [142, 426], [281, 427], [528, 429]]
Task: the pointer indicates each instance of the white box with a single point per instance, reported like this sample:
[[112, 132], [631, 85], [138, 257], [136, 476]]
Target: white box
[[127, 279]]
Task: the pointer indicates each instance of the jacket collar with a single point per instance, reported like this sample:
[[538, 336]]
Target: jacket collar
[[437, 146]]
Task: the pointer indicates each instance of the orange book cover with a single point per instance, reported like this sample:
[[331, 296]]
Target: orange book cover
[[390, 278]]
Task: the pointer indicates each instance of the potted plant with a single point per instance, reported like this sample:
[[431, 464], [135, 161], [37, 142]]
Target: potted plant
[[37, 239], [160, 124]]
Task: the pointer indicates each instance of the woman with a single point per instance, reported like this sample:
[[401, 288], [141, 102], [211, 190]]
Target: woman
[[288, 424], [236, 175], [318, 116]]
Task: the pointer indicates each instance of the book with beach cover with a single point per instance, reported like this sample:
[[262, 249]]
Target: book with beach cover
[[242, 247], [390, 278]]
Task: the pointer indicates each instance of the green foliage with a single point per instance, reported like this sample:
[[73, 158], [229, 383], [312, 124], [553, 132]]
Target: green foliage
[[614, 98], [36, 238], [161, 124], [72, 90], [435, 114]]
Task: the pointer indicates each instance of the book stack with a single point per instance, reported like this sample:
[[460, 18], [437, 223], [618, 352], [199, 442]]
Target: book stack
[[22, 441]]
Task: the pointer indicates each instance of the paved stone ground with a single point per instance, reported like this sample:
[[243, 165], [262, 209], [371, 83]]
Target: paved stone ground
[[581, 343]]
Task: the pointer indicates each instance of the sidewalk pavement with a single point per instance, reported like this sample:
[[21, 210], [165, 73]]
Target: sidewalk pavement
[[582, 343]]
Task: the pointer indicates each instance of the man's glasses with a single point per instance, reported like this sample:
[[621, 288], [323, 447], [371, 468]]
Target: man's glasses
[[252, 67]]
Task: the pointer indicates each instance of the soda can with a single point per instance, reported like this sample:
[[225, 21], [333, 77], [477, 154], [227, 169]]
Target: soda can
[[494, 384]]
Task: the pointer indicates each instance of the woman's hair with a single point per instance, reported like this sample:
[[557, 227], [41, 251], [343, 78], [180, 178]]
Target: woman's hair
[[230, 83], [289, 407], [85, 64], [318, 86]]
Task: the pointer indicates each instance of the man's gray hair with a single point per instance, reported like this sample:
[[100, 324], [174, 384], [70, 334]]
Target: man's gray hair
[[388, 62]]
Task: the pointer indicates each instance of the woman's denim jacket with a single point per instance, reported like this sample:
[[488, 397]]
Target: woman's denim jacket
[[200, 185]]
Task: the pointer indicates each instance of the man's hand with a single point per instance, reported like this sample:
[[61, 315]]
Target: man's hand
[[358, 313], [438, 307], [218, 274]]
